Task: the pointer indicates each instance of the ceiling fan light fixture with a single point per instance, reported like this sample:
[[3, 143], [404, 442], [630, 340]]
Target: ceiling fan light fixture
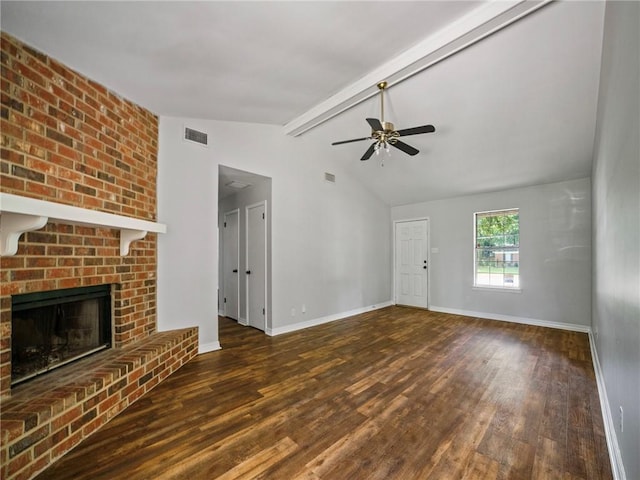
[[384, 133]]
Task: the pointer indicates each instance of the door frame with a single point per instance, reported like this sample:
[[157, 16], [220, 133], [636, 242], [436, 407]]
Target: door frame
[[266, 263], [225, 253], [395, 286]]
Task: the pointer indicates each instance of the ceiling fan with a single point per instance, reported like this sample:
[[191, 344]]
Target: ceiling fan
[[384, 133]]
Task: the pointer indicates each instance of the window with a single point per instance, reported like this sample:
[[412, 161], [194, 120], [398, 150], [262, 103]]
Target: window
[[497, 249]]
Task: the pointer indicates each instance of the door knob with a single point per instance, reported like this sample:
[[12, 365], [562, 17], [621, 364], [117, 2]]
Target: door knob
[[235, 270], [248, 272]]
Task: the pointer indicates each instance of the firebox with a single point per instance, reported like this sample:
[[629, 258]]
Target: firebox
[[51, 329]]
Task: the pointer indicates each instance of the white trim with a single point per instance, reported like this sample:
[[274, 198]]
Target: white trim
[[510, 318], [329, 318], [477, 286], [488, 18], [209, 347], [497, 210], [497, 289], [243, 322], [24, 214], [615, 455]]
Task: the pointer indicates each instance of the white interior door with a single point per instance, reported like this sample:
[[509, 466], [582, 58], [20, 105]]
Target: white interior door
[[256, 271], [411, 268], [231, 264]]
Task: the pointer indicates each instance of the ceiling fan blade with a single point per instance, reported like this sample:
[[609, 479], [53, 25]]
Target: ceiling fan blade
[[417, 130], [405, 148], [369, 152], [375, 124], [353, 140]]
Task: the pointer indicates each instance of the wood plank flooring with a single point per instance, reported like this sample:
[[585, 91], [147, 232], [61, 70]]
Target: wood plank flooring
[[398, 393]]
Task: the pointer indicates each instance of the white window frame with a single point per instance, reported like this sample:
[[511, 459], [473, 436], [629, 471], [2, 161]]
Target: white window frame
[[482, 286]]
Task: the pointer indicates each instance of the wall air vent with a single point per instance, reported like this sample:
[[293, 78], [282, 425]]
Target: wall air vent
[[329, 177], [195, 136]]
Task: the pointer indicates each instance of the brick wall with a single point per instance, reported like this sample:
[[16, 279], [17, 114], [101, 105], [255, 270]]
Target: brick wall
[[67, 139], [47, 417]]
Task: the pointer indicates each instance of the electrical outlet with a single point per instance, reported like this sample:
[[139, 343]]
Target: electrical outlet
[[621, 419], [293, 312], [304, 308]]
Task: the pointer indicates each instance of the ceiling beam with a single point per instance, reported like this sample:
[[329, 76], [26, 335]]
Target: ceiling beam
[[469, 29]]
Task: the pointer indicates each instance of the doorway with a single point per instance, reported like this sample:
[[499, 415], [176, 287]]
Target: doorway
[[411, 262], [243, 198]]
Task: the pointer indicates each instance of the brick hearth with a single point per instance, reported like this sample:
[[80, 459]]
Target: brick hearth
[[48, 416], [67, 139]]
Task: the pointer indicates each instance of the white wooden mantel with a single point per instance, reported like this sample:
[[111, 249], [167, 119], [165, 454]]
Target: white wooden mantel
[[20, 214]]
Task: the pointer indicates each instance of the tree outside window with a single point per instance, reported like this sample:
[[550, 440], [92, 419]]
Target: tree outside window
[[497, 249]]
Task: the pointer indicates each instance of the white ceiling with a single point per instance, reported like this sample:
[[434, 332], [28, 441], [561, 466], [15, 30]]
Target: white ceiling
[[228, 176], [517, 108], [264, 61]]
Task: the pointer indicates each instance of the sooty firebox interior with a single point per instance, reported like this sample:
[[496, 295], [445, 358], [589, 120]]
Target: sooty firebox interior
[[51, 329]]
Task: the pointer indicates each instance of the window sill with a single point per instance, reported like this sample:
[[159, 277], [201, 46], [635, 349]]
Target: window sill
[[497, 289]]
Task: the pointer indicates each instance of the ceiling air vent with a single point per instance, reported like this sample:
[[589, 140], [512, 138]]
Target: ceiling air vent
[[195, 136], [329, 177]]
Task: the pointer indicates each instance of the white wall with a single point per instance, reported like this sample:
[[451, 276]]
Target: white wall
[[331, 243], [616, 228], [555, 254], [187, 253]]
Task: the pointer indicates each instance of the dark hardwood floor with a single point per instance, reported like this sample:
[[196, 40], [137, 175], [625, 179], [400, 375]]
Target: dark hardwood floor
[[394, 394]]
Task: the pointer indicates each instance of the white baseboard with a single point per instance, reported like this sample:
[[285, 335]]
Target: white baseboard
[[243, 321], [208, 347], [510, 318], [615, 455], [329, 318]]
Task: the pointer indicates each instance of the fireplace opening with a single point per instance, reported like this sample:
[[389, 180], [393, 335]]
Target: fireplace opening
[[51, 329]]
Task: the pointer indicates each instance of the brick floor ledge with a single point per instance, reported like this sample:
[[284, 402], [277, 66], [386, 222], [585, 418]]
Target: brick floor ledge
[[48, 416]]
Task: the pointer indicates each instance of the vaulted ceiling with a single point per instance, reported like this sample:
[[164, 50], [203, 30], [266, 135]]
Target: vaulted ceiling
[[514, 103]]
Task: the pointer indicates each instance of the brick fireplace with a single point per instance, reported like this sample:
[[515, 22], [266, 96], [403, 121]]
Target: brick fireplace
[[69, 140]]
